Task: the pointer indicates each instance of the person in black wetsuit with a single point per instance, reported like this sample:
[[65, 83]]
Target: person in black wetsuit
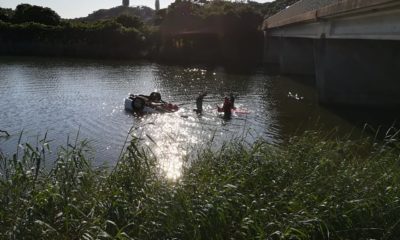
[[232, 99], [199, 103], [226, 108]]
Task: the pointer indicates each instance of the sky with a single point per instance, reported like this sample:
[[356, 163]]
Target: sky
[[81, 8]]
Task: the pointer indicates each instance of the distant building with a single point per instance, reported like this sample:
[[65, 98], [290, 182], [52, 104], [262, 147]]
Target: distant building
[[125, 3], [157, 5]]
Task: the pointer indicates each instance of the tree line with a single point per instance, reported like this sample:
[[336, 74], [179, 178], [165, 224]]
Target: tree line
[[131, 32], [35, 30]]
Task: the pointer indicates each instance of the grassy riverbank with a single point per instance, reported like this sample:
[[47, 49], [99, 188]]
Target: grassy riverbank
[[313, 187]]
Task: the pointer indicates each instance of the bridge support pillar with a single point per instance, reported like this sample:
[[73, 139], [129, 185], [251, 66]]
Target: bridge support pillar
[[358, 72], [297, 56], [272, 48]]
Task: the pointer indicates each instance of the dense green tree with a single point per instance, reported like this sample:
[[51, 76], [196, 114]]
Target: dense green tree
[[222, 16], [216, 31], [129, 21], [201, 1], [146, 14], [159, 16], [28, 13], [6, 14], [270, 8], [231, 30]]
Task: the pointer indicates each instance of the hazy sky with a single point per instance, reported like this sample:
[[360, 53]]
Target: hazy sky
[[81, 8]]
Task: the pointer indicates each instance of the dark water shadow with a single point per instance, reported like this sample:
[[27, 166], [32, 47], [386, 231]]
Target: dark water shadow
[[373, 120], [295, 99]]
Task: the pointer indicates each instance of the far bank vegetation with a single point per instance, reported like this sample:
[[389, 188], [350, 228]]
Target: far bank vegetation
[[138, 32]]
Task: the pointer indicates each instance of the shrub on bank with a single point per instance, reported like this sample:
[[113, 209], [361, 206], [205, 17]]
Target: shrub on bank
[[100, 39], [313, 187]]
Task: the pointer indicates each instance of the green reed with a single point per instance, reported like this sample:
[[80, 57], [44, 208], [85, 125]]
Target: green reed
[[315, 186]]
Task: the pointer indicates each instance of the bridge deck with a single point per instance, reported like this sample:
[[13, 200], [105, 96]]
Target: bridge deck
[[301, 7], [312, 10]]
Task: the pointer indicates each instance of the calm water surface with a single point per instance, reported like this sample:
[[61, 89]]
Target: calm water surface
[[64, 96]]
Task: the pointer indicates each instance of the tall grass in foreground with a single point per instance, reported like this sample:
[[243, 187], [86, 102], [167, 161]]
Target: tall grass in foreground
[[313, 187]]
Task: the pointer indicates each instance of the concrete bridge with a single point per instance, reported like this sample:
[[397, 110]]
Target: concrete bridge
[[351, 46]]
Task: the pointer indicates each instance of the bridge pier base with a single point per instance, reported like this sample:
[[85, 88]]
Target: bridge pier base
[[296, 56], [272, 48], [292, 56], [358, 72]]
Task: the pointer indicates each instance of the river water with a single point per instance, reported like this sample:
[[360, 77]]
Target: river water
[[62, 97]]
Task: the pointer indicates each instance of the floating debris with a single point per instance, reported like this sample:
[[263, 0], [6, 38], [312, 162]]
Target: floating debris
[[295, 96]]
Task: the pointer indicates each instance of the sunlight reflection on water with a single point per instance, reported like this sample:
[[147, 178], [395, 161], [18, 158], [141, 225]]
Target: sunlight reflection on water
[[175, 138], [172, 138]]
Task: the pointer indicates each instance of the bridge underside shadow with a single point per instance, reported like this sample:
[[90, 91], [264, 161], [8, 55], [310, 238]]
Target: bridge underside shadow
[[292, 56], [352, 47], [347, 72], [361, 72]]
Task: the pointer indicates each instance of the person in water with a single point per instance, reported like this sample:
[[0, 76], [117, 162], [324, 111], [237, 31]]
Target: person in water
[[232, 99], [226, 108], [153, 100], [199, 103]]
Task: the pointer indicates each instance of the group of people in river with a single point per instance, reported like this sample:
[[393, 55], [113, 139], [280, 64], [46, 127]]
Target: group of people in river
[[227, 107], [154, 101]]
